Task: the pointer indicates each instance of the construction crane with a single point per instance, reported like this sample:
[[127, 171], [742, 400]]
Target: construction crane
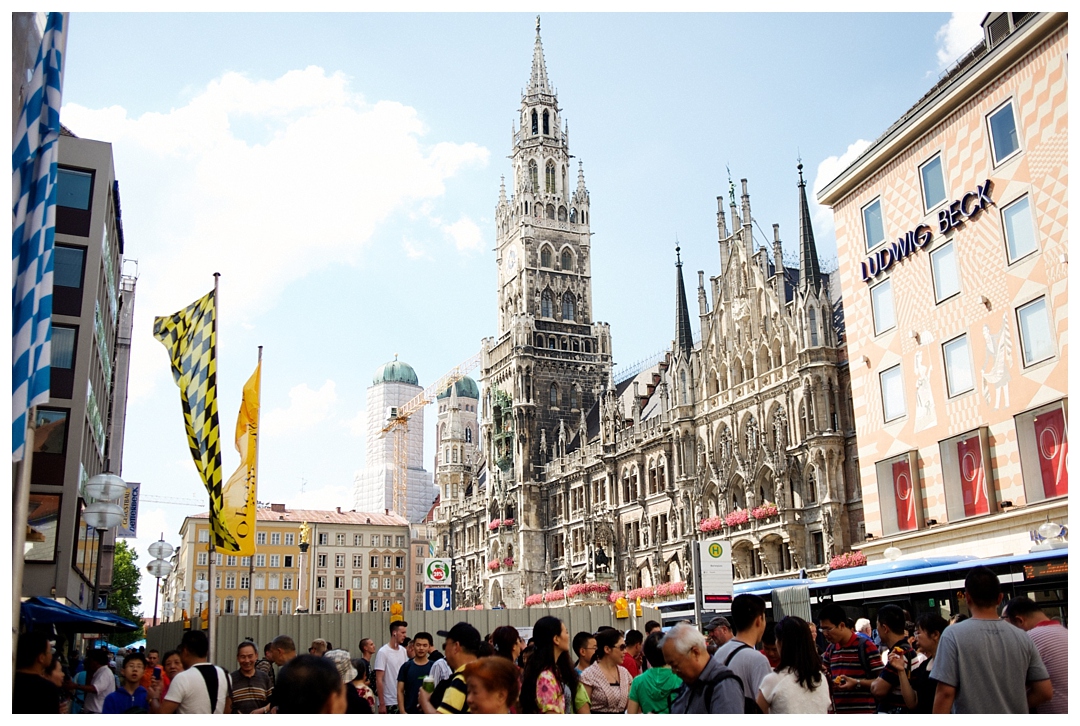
[[398, 424], [176, 501]]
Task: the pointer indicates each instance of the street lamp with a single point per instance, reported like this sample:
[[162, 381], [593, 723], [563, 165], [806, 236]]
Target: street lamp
[[159, 567], [103, 514], [167, 610], [200, 596]]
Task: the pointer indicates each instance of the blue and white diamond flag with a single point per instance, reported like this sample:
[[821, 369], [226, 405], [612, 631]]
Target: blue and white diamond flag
[[33, 211]]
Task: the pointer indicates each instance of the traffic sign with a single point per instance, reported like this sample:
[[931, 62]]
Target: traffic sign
[[436, 571], [437, 598]]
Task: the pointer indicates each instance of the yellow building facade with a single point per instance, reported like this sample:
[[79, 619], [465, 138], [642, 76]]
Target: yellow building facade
[[952, 234]]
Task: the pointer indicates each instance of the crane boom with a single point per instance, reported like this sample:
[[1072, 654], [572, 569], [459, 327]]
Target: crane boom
[[398, 424]]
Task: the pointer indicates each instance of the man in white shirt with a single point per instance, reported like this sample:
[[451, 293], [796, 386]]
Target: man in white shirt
[[388, 662], [740, 654], [200, 687], [100, 682]]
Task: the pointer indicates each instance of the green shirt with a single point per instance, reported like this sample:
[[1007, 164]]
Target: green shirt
[[654, 690]]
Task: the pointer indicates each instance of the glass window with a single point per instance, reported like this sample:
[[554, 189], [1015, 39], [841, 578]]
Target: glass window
[[73, 188], [320, 582], [68, 266], [545, 304], [873, 224], [260, 538], [386, 563], [386, 583], [201, 559], [341, 539], [374, 563], [288, 561], [204, 535], [374, 583], [1036, 338], [324, 538], [358, 561], [399, 540], [958, 365], [275, 560], [50, 436], [290, 538], [892, 394], [388, 541], [358, 540], [230, 581], [245, 582], [272, 582], [339, 583], [320, 604], [545, 257], [62, 348], [230, 561], [1019, 232], [1044, 446], [339, 560], [260, 560], [881, 300], [399, 563], [286, 582], [933, 182], [275, 538], [945, 270], [245, 562], [1003, 137], [321, 561], [386, 606]]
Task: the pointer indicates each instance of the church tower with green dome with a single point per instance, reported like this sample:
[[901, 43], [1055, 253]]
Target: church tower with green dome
[[550, 359], [393, 385]]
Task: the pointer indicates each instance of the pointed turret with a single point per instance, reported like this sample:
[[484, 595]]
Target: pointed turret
[[502, 190], [809, 268], [684, 336], [538, 80]]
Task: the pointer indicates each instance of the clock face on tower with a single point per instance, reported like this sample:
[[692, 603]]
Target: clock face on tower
[[511, 262]]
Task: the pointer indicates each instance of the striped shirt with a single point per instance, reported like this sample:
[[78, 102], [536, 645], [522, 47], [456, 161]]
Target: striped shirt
[[1052, 641], [453, 700], [251, 693], [845, 661]]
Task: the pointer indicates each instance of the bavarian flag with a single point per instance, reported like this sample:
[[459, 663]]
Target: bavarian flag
[[191, 338], [239, 492]]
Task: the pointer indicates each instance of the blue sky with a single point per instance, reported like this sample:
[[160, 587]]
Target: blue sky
[[341, 172]]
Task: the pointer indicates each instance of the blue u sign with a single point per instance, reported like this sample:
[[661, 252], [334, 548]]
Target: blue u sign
[[437, 598]]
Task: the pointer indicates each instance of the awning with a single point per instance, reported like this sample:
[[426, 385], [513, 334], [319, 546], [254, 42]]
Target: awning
[[45, 611]]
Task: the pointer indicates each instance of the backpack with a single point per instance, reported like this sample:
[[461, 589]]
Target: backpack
[[710, 686], [749, 704]]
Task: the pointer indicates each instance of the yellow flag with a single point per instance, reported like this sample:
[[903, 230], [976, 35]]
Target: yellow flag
[[239, 492]]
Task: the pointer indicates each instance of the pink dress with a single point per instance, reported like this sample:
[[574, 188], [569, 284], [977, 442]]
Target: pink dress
[[550, 697]]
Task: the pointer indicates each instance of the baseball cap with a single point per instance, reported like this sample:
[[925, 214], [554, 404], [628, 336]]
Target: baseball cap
[[718, 622], [464, 635]]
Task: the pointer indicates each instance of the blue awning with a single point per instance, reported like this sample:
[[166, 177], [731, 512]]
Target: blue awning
[[46, 611]]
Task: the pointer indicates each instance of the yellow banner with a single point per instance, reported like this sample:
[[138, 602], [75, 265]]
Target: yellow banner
[[239, 492]]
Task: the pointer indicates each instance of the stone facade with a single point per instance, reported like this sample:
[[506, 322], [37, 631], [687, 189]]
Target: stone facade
[[585, 479]]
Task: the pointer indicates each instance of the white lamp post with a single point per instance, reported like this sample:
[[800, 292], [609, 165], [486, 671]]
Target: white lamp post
[[159, 567], [103, 514]]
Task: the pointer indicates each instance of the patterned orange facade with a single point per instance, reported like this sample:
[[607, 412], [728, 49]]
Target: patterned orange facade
[[952, 232]]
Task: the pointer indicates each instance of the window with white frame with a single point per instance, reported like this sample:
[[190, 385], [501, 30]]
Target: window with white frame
[[388, 541], [229, 602], [245, 582], [260, 581], [386, 606], [272, 582], [892, 394], [275, 538], [339, 560], [286, 582], [217, 559], [339, 583], [399, 583], [230, 561], [358, 540], [1004, 139], [358, 561], [258, 609], [958, 375], [243, 606], [399, 563], [275, 560], [374, 584], [260, 538], [881, 300], [321, 560], [386, 562], [320, 582], [386, 583], [201, 559], [271, 606], [340, 539], [933, 182], [339, 605], [1019, 231], [357, 583], [217, 580], [230, 581], [290, 539], [873, 224], [945, 271], [374, 562], [1036, 335], [399, 540], [260, 560], [204, 536], [320, 604], [288, 561], [324, 538], [374, 540], [286, 606], [245, 561]]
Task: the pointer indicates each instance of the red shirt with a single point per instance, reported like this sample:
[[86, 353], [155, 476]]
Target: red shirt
[[630, 663]]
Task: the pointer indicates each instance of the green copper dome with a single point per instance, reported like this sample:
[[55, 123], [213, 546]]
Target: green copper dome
[[466, 388], [396, 372]]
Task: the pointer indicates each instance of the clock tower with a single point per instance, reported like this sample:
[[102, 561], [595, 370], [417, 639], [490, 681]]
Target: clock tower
[[545, 370]]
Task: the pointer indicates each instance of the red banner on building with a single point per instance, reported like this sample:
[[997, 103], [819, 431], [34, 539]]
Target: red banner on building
[[972, 476], [1053, 446], [904, 492]]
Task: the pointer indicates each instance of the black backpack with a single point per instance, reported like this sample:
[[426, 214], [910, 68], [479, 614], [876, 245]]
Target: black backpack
[[749, 704], [710, 686]]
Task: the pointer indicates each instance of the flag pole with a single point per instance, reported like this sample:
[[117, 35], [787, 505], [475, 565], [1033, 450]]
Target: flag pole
[[211, 619], [255, 443], [20, 519]]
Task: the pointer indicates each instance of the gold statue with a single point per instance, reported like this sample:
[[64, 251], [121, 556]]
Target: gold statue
[[305, 533]]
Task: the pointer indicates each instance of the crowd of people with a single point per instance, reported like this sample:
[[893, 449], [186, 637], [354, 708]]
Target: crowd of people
[[1012, 660]]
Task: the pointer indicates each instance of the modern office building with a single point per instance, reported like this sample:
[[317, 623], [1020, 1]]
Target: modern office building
[[79, 431], [356, 562], [952, 231]]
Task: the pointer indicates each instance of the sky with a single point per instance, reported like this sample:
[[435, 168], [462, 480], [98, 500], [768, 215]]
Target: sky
[[341, 172]]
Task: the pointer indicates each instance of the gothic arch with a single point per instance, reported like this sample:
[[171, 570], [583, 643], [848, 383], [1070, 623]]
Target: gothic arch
[[763, 359], [547, 123], [549, 212], [562, 213], [777, 357], [736, 493], [534, 175], [553, 395], [710, 501], [566, 259], [549, 171], [547, 304], [535, 123], [496, 589]]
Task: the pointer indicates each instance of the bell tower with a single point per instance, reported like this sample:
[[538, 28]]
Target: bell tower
[[550, 359]]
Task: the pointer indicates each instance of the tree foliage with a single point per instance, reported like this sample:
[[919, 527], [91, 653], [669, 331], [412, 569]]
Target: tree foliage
[[124, 596]]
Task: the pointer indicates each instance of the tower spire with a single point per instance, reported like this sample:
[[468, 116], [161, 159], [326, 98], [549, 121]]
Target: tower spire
[[683, 334], [809, 268], [538, 80]]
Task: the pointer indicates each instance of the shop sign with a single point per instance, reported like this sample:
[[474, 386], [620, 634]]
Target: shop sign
[[967, 207]]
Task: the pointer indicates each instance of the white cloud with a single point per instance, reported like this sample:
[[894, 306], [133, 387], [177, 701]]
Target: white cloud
[[357, 425], [414, 250], [957, 37], [264, 181], [306, 409], [827, 170], [466, 235]]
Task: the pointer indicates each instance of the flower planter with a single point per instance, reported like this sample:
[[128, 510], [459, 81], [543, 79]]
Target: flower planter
[[847, 559], [736, 518], [766, 510]]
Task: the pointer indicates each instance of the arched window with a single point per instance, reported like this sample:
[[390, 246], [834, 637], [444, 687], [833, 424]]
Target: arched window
[[468, 435], [534, 122], [562, 213], [813, 327], [573, 215], [534, 175], [545, 305], [588, 347], [684, 398], [286, 607], [553, 343], [271, 606], [573, 397], [549, 176], [546, 127], [567, 260], [550, 211], [574, 345], [545, 256], [568, 306], [554, 395], [539, 341]]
